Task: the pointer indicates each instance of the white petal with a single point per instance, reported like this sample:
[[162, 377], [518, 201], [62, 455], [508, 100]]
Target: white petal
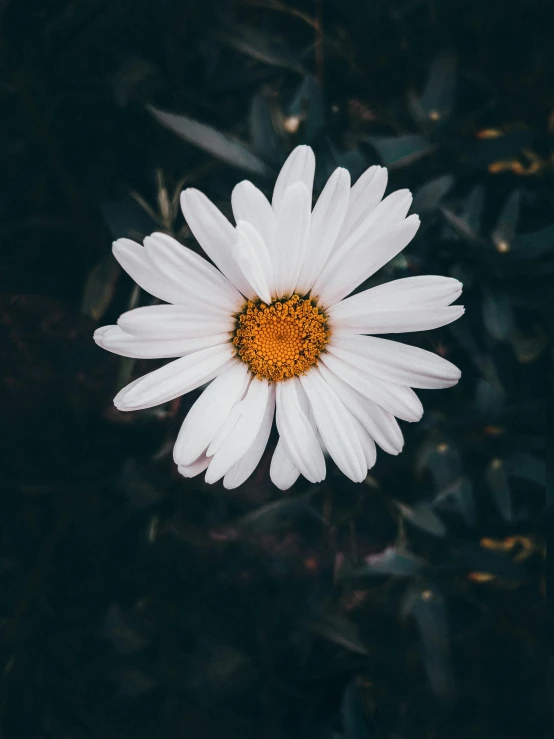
[[200, 279], [138, 265], [326, 221], [391, 211], [416, 292], [291, 237], [251, 205], [249, 414], [341, 276], [113, 339], [297, 433], [173, 322], [215, 235], [246, 465], [209, 412], [299, 167], [368, 445], [386, 308], [397, 321], [395, 362], [252, 256], [381, 425], [365, 195], [335, 426], [175, 379], [195, 468], [282, 471], [399, 400]]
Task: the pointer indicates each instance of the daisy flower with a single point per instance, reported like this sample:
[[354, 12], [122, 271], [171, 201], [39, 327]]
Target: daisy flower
[[271, 327]]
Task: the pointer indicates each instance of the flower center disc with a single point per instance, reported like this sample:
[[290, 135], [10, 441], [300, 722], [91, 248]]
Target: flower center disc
[[282, 339]]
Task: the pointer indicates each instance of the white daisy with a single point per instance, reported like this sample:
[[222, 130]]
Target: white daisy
[[272, 330]]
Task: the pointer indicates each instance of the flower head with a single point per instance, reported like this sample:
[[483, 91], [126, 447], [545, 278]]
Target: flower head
[[272, 329]]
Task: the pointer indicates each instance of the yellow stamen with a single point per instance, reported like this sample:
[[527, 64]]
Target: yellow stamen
[[282, 339]]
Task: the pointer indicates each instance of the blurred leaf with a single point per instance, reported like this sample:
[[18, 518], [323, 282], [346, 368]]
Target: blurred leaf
[[505, 229], [469, 556], [126, 219], [423, 517], [533, 245], [100, 287], [527, 467], [460, 225], [132, 74], [123, 638], [435, 104], [498, 316], [426, 605], [500, 488], [488, 399], [430, 195], [486, 151], [463, 335], [443, 461], [391, 561], [528, 348], [339, 630], [220, 145], [400, 151], [134, 683], [473, 208], [140, 492], [265, 138], [267, 517], [353, 160], [307, 105], [458, 498], [353, 716], [259, 46]]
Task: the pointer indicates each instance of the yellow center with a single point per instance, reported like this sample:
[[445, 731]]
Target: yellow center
[[282, 339]]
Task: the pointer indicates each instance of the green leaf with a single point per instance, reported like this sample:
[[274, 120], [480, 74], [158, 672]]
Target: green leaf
[[488, 399], [533, 245], [468, 556], [500, 488], [460, 225], [100, 287], [498, 316], [427, 607], [263, 135], [391, 561], [339, 630], [437, 98], [353, 717], [307, 104], [527, 467], [220, 145], [485, 151], [259, 46], [465, 338], [458, 498], [423, 517], [267, 517], [400, 151], [473, 208], [505, 229], [430, 195], [528, 348]]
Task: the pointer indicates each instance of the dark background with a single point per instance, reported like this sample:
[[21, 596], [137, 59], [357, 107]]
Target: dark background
[[135, 603]]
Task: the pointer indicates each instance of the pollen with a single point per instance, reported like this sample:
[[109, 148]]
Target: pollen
[[282, 339]]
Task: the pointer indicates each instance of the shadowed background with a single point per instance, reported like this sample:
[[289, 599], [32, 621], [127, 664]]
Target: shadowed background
[[135, 603]]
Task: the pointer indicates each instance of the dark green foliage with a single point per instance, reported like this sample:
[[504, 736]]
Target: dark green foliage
[[135, 603]]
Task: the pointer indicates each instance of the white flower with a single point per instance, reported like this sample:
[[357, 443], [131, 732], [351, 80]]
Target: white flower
[[270, 326]]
